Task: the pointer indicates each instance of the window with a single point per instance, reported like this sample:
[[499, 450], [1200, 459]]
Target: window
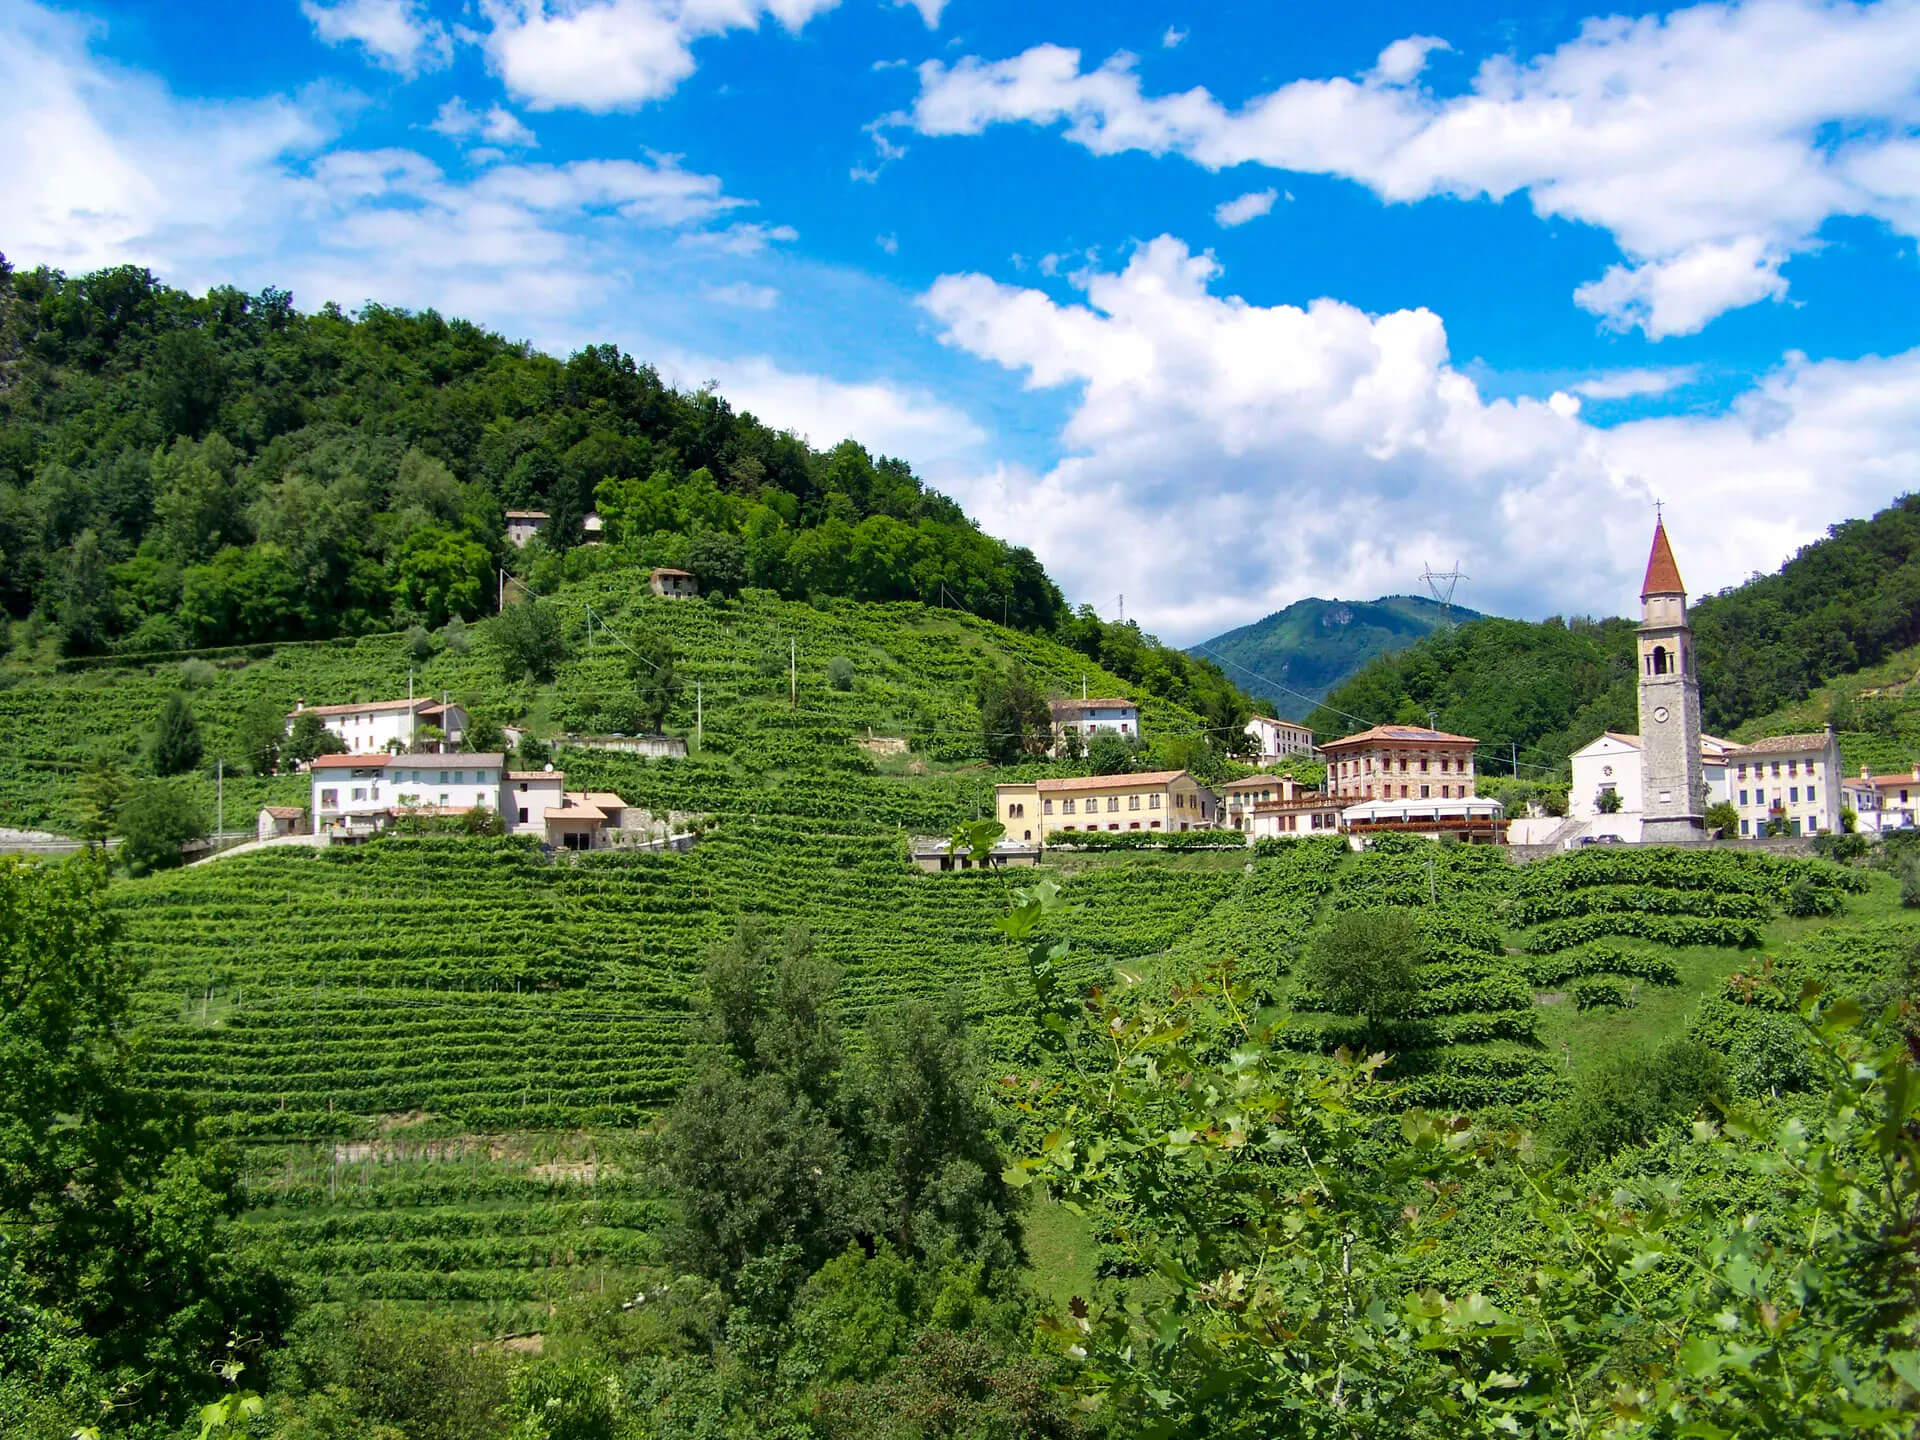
[[523, 814], [1066, 808], [1810, 797], [1793, 794], [329, 799], [1403, 792], [1657, 662], [1153, 802], [1746, 827], [1776, 769], [459, 777], [1153, 825], [1133, 803], [1046, 807], [359, 792], [1743, 773], [1013, 810], [1135, 825], [1743, 797], [1423, 767], [1114, 826], [1113, 804], [1424, 790], [443, 799]]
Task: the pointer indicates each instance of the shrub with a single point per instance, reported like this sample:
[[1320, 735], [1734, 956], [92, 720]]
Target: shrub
[[1723, 817], [1910, 887], [1627, 1099], [528, 640], [454, 636], [1109, 754], [197, 675], [1595, 992], [840, 673], [1806, 899], [420, 644]]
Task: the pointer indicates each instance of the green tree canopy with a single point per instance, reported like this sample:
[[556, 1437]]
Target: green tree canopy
[[176, 746]]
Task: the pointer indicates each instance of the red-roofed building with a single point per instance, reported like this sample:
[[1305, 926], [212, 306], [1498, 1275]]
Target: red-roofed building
[[1400, 762], [1167, 800]]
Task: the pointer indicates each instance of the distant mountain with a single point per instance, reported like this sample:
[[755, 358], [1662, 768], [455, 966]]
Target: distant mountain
[[1296, 655]]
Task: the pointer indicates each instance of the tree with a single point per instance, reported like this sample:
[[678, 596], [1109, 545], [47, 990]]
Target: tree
[[656, 682], [1723, 817], [484, 736], [157, 821], [1109, 754], [420, 644], [840, 673], [442, 574], [1608, 801], [309, 738], [1365, 963], [751, 1151], [85, 616], [1015, 718], [927, 1136], [263, 731], [718, 560], [113, 1225], [1630, 1095], [103, 788], [529, 640], [176, 746]]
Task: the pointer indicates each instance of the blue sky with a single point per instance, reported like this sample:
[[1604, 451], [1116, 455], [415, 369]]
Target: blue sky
[[1214, 306]]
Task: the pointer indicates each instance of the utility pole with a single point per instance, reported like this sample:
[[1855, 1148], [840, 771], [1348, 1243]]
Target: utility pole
[[793, 673], [699, 713], [1513, 750], [219, 800], [502, 603], [589, 629], [1123, 608]]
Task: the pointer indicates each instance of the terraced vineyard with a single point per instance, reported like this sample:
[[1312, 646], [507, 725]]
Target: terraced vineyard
[[425, 1044]]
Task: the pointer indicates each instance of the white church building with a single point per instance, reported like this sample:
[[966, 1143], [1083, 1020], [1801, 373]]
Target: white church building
[[1611, 764]]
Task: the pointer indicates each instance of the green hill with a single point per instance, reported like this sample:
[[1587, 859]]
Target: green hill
[[1295, 656]]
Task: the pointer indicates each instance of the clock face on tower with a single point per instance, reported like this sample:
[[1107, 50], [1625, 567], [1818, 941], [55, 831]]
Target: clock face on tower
[[1660, 714]]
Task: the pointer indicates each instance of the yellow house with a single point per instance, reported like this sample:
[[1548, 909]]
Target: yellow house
[[1169, 800]]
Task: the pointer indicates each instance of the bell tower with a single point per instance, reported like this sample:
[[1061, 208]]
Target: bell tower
[[1673, 780]]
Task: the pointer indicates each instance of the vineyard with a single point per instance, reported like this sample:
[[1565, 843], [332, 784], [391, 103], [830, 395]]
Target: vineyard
[[428, 1046], [913, 670]]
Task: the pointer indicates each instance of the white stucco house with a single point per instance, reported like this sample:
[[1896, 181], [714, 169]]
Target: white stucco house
[[1088, 718], [1279, 738], [375, 727], [360, 795]]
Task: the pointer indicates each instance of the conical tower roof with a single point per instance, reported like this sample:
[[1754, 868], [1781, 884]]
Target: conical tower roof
[[1663, 575]]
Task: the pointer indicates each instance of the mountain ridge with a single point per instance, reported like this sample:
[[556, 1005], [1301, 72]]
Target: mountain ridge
[[1298, 655]]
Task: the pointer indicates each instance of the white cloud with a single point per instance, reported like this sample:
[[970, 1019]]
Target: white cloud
[[110, 168], [745, 237], [499, 126], [889, 243], [929, 10], [603, 55], [743, 296], [1250, 206], [887, 418], [1402, 61], [1171, 40], [1707, 157], [1341, 451], [1628, 384], [397, 35]]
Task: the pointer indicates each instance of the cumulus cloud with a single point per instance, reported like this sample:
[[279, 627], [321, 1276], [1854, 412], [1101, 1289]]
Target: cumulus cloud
[[743, 238], [604, 55], [1250, 206], [396, 35], [110, 167], [888, 418], [1172, 38], [498, 126], [1686, 137], [1340, 451]]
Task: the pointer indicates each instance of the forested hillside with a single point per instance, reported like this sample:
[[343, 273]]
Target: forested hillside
[[1294, 656], [1843, 604], [182, 471]]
